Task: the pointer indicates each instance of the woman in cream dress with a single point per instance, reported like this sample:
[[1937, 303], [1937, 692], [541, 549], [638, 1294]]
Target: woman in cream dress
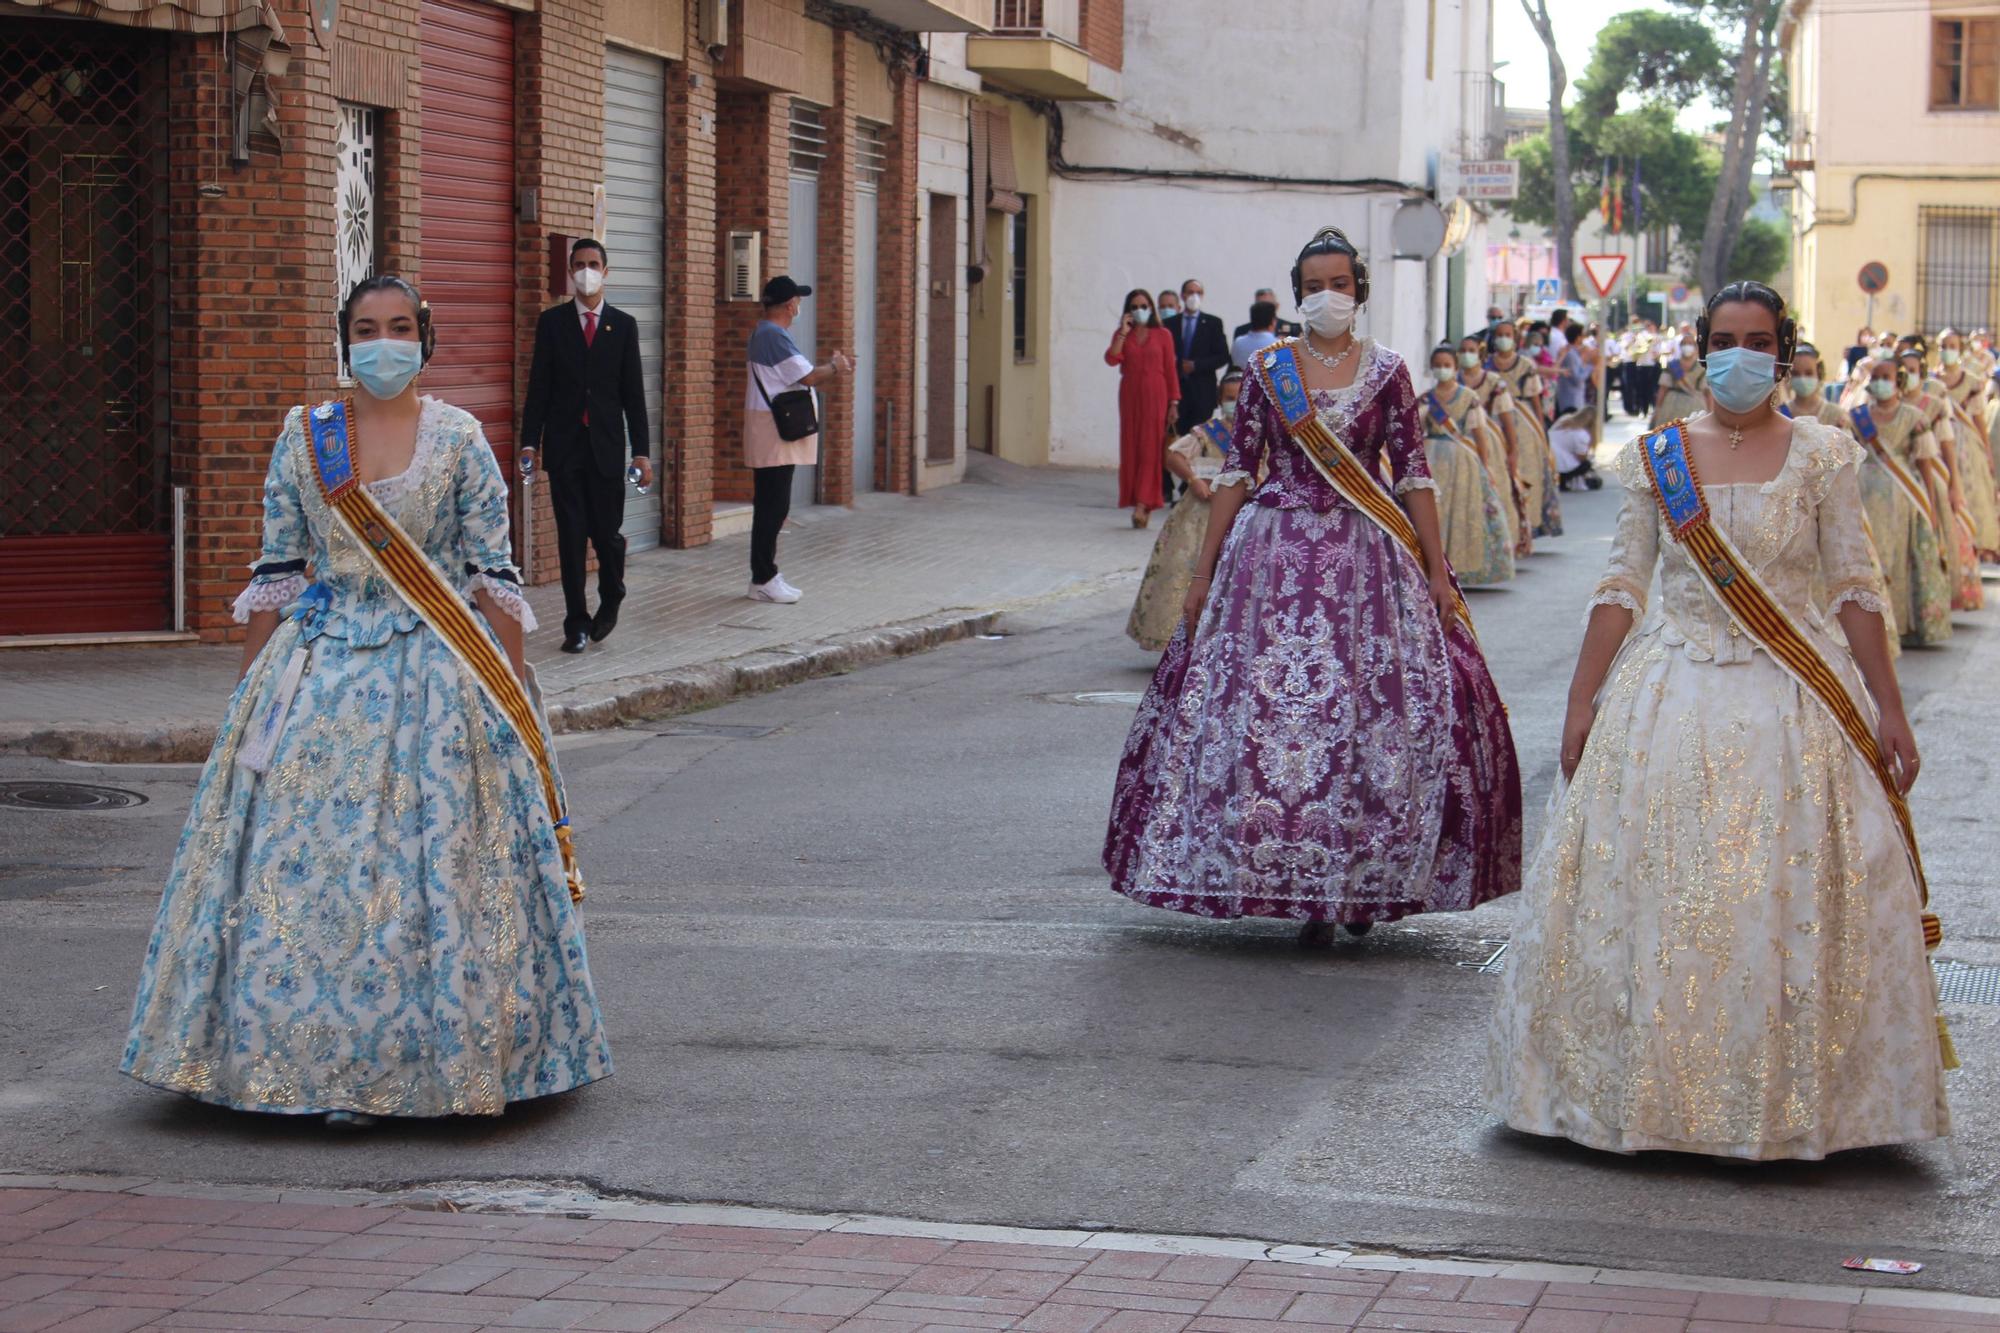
[[1720, 948], [1964, 528], [1471, 509], [1916, 558], [1509, 418], [1682, 385], [1196, 458], [1536, 464], [1960, 409]]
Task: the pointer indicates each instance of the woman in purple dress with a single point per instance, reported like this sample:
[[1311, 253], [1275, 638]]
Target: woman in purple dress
[[1322, 742]]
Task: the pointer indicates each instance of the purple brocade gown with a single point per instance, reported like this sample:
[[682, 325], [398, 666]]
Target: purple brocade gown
[[1318, 747]]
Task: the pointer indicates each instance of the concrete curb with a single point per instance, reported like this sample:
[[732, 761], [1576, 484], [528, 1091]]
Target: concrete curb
[[591, 708]]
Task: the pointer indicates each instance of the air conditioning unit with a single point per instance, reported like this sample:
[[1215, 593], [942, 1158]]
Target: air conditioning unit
[[744, 278]]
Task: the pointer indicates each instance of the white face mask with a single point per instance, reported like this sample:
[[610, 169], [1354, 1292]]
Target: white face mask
[[1141, 313], [587, 281], [1192, 304], [1444, 374], [1328, 313], [1227, 410]]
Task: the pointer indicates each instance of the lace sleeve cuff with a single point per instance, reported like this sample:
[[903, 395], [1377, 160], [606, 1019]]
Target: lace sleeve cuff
[[1865, 594], [267, 593], [1238, 477], [507, 594], [1616, 594], [1408, 484]]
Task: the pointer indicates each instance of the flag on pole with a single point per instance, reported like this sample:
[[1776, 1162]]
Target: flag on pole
[[1637, 224], [1604, 192], [1618, 200]]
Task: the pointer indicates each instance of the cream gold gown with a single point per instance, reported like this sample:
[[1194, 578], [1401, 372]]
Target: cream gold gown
[[1719, 947]]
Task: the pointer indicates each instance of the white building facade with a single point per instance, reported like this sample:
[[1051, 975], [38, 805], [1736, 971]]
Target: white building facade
[[1237, 135]]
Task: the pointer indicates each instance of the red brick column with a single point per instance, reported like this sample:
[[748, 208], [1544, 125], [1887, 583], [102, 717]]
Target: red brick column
[[559, 153], [897, 300], [834, 294], [250, 256], [752, 192], [688, 440]]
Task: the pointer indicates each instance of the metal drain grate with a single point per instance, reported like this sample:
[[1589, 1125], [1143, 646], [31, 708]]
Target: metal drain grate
[[1958, 983], [1961, 983], [67, 796], [722, 731]]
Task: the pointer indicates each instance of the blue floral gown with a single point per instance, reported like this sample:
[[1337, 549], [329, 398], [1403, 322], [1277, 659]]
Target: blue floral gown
[[378, 921]]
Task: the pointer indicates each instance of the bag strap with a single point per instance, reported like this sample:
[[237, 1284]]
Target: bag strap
[[424, 588]]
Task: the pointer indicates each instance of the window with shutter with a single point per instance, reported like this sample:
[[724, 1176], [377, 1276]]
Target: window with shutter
[[1965, 64]]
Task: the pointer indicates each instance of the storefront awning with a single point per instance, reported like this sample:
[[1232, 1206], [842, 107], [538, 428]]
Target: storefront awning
[[169, 15]]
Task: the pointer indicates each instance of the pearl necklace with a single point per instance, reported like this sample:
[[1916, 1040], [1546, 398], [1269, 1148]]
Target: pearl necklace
[[1330, 362]]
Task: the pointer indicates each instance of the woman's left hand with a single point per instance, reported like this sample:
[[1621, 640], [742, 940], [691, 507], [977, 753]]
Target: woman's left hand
[[1899, 748], [1444, 596]]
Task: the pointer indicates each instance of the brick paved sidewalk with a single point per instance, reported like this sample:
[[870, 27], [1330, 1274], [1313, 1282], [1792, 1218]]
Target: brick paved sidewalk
[[890, 576], [110, 1256]]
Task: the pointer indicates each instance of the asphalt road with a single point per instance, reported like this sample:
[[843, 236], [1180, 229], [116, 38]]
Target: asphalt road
[[855, 953]]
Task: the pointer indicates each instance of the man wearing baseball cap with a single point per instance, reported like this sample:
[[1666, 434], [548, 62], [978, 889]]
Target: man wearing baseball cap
[[777, 367]]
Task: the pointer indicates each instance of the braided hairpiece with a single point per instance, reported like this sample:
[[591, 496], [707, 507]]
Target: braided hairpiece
[[1331, 241], [389, 282], [1756, 293]]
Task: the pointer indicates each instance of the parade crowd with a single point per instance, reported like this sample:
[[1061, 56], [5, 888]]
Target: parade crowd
[[1722, 937]]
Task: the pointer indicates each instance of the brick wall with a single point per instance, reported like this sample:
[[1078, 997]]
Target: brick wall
[[1103, 24], [752, 193], [898, 297], [693, 390], [834, 293], [252, 294]]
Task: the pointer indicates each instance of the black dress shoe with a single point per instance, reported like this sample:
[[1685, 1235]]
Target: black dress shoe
[[603, 623], [575, 643]]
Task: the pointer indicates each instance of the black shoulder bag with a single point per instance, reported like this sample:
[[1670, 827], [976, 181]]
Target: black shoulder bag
[[793, 411]]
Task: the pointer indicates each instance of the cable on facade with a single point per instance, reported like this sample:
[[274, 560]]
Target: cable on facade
[[1062, 166]]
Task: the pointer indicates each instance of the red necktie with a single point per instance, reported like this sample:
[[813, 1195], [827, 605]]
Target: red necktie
[[589, 337]]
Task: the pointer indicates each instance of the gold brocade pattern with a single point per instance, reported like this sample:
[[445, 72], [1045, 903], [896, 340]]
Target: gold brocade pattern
[[1718, 949]]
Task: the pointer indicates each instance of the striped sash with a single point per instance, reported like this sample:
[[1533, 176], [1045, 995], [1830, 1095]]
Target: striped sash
[[1737, 587], [420, 583], [1278, 368], [1864, 426]]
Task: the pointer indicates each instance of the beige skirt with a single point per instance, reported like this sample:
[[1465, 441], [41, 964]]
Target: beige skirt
[[763, 448]]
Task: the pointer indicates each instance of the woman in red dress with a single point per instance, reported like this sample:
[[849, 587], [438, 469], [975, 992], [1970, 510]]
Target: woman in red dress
[[1149, 400]]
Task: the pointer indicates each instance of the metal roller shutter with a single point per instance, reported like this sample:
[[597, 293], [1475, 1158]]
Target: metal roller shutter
[[635, 194], [468, 211]]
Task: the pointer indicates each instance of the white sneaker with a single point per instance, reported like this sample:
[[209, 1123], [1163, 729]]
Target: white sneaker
[[777, 590]]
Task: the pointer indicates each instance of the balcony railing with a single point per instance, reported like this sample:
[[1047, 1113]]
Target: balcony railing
[[1484, 106], [1059, 19]]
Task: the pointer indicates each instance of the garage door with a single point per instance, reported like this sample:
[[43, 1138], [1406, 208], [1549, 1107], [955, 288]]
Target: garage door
[[468, 210], [635, 193]]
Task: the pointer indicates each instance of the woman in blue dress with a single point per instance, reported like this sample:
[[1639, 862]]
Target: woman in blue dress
[[368, 913]]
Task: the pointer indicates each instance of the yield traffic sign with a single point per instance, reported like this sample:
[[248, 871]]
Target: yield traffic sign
[[1603, 271]]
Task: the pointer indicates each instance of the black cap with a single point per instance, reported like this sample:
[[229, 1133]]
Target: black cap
[[782, 289]]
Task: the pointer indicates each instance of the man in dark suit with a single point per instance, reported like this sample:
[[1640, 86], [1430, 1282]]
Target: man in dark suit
[[586, 402], [1284, 328], [1203, 352]]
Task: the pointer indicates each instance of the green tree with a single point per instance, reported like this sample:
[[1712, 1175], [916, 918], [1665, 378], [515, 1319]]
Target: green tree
[[1564, 211], [1663, 57], [1751, 81], [1677, 170], [1761, 251]]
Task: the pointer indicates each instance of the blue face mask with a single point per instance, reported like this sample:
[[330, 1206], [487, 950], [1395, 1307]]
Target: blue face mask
[[385, 366], [1740, 379]]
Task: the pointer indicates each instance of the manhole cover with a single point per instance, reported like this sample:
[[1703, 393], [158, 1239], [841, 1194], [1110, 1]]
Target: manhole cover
[[65, 796], [1117, 698], [1960, 983]]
